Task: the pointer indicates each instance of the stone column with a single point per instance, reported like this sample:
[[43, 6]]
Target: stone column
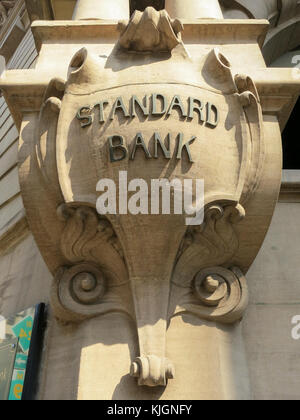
[[194, 9], [101, 9]]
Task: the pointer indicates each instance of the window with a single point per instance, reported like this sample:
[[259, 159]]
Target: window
[[291, 140], [290, 135]]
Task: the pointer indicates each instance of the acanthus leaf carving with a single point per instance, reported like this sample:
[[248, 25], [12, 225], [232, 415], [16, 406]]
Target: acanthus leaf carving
[[215, 241], [89, 237], [212, 292], [96, 282]]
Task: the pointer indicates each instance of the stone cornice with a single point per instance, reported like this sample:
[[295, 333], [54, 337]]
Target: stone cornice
[[203, 30], [277, 87]]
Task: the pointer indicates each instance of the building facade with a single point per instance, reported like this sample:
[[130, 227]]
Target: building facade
[[241, 342]]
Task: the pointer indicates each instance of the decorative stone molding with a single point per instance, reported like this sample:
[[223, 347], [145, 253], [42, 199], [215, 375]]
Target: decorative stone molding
[[83, 290], [150, 31], [212, 293]]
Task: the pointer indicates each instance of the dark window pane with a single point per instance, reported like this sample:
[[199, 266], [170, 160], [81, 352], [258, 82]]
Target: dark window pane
[[291, 140]]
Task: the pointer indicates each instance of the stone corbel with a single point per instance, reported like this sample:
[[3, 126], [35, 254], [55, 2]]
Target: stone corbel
[[149, 267], [195, 279]]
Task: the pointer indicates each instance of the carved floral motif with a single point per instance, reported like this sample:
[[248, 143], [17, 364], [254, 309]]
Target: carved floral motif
[[150, 31]]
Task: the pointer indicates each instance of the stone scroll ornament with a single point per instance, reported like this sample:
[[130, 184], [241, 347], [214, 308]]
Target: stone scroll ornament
[[103, 120]]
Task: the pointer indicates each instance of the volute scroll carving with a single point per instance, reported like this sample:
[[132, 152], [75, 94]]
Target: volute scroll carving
[[219, 294], [215, 293], [97, 281]]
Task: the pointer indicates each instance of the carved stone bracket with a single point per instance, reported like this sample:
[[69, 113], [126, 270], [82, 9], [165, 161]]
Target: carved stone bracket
[[150, 31], [88, 289], [150, 267], [151, 294]]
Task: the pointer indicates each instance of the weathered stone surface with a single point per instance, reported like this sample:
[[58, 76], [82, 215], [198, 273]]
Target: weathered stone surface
[[153, 290], [148, 289]]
